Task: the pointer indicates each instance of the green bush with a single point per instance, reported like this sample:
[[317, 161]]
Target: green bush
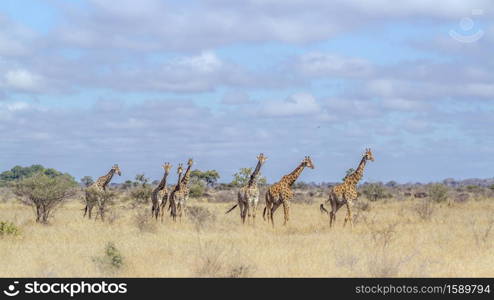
[[8, 228], [438, 192], [374, 191], [141, 194], [196, 190], [111, 261]]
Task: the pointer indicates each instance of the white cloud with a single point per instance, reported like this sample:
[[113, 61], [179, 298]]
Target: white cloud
[[439, 8], [381, 87], [402, 104], [206, 62], [327, 64], [296, 105], [22, 80], [479, 89]]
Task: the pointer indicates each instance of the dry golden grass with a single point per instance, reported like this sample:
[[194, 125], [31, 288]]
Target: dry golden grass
[[390, 239]]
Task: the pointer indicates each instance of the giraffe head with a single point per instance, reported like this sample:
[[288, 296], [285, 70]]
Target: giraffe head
[[167, 166], [261, 158], [116, 169], [180, 169], [190, 162], [307, 162], [368, 154]]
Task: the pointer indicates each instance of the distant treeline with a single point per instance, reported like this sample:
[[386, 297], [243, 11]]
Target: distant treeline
[[18, 172], [211, 177]]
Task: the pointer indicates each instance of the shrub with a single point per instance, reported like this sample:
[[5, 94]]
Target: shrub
[[200, 216], [111, 261], [214, 260], [438, 192], [461, 198], [105, 205], [374, 191], [240, 271], [424, 209], [141, 195], [362, 205], [196, 190], [8, 228], [45, 193], [144, 221]]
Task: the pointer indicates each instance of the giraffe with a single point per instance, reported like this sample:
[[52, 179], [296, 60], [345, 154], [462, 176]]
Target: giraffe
[[160, 193], [180, 194], [180, 170], [248, 196], [345, 193], [94, 191], [281, 192]]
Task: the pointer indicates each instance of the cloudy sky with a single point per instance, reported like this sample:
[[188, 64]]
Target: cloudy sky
[[86, 84]]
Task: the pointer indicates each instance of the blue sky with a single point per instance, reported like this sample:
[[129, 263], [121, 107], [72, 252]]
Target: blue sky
[[86, 84]]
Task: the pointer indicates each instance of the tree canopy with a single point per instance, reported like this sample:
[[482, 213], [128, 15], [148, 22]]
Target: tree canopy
[[210, 177], [18, 173], [243, 175]]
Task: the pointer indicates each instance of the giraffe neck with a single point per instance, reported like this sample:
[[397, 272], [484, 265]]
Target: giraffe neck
[[178, 182], [103, 181], [254, 175], [162, 183], [186, 178], [355, 177], [292, 177]]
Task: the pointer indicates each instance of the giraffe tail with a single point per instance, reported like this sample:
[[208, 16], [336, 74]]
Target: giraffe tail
[[322, 209], [231, 208]]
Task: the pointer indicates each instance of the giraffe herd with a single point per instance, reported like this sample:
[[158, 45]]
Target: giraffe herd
[[280, 193]]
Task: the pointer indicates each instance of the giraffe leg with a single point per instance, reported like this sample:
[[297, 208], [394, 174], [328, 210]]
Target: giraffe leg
[[158, 210], [173, 209], [162, 211], [241, 209], [349, 213], [265, 212], [163, 208], [286, 210], [246, 211], [254, 210], [274, 207]]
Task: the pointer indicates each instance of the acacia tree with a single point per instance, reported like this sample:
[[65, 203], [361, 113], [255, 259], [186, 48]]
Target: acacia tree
[[87, 180], [243, 175], [141, 193], [210, 177], [44, 193]]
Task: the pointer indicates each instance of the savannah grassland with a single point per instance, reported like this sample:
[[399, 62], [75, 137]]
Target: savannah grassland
[[389, 239]]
